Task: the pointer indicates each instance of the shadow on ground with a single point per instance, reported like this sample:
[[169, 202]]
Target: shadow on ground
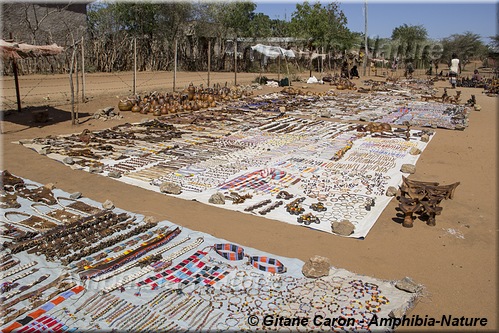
[[40, 116]]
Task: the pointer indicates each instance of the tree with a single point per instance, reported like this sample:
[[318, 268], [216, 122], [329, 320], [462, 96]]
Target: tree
[[261, 26], [279, 28], [236, 16], [322, 25], [409, 38], [467, 46]]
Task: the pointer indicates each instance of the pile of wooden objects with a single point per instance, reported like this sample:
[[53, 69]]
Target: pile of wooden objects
[[423, 198], [445, 98]]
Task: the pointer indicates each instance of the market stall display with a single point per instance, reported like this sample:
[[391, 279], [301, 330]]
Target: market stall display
[[184, 280], [342, 165]]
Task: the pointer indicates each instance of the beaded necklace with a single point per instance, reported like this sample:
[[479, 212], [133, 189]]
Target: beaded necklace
[[148, 269]]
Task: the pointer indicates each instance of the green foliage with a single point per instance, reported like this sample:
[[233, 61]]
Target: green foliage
[[409, 39], [236, 16], [467, 46], [260, 26], [280, 28], [322, 25]]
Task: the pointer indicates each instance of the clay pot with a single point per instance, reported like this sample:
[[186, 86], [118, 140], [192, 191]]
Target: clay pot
[[136, 108], [125, 105], [163, 109], [157, 112], [145, 109]]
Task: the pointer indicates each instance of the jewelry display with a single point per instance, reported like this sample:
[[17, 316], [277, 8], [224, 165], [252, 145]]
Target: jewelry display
[[204, 290]]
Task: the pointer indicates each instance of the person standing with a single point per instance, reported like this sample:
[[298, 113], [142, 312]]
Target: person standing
[[454, 70]]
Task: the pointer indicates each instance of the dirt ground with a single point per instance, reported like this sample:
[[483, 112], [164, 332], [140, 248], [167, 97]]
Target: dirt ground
[[456, 260]]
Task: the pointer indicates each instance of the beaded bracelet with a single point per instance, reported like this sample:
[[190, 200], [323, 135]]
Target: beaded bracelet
[[274, 265], [229, 251]]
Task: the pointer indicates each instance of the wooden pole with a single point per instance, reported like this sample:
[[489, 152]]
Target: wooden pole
[[16, 81], [82, 70], [209, 61], [72, 87], [76, 75], [365, 39], [310, 64], [261, 70], [287, 69], [279, 68], [322, 60], [175, 67], [235, 60], [134, 66], [77, 87]]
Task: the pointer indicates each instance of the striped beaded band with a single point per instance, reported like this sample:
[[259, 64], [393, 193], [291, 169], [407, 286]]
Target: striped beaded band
[[229, 251], [274, 265]]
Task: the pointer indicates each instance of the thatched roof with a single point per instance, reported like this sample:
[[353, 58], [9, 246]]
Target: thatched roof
[[10, 50]]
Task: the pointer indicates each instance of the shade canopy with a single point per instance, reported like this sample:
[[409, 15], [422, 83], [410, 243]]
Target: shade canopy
[[273, 51], [10, 50]]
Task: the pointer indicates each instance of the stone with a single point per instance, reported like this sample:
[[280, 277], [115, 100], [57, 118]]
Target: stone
[[391, 191], [149, 219], [217, 199], [44, 151], [408, 168], [75, 195], [425, 138], [95, 169], [50, 186], [344, 228], [114, 174], [96, 116], [68, 160], [108, 204], [170, 188], [407, 284], [478, 107], [282, 109], [108, 109], [316, 267], [415, 151]]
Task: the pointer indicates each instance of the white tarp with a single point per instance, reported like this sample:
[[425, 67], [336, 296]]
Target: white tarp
[[211, 283], [273, 51]]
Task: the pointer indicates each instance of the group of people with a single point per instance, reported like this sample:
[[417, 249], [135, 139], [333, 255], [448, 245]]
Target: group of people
[[454, 70], [345, 73]]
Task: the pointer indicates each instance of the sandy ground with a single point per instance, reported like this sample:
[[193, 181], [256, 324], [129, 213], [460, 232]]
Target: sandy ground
[[456, 261]]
